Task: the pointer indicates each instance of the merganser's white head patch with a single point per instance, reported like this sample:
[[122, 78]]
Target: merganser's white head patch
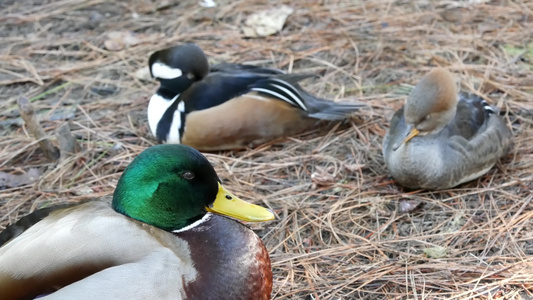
[[162, 71]]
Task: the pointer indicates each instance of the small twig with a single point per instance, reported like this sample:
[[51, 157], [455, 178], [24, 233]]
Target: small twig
[[282, 232], [28, 115], [67, 142]]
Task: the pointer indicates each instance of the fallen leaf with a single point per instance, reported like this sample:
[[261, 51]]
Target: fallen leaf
[[8, 180], [148, 7], [83, 191], [322, 177], [118, 40], [266, 22], [353, 167], [207, 3], [407, 206], [456, 223], [436, 252]]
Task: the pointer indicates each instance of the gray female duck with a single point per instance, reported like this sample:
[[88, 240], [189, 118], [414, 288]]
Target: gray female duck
[[441, 138]]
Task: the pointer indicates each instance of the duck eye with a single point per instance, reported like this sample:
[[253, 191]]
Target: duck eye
[[190, 76], [228, 197], [187, 175], [427, 118]]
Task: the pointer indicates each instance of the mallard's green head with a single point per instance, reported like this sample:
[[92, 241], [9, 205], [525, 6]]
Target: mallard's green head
[[171, 186]]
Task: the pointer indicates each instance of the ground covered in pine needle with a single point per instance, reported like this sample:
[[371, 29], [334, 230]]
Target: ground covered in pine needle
[[343, 228]]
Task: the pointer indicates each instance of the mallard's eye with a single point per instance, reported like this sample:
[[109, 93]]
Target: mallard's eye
[[190, 76], [427, 118], [187, 175]]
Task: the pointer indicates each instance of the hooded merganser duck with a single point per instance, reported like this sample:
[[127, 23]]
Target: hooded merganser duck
[[165, 236], [229, 106], [442, 138]]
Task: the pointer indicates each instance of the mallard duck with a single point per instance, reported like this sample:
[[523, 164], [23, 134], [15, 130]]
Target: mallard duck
[[442, 138], [164, 236], [229, 106]]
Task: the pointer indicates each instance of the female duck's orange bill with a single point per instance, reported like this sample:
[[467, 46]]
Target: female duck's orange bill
[[412, 133]]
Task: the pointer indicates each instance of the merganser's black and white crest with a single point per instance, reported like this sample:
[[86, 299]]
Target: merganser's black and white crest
[[195, 104], [166, 112]]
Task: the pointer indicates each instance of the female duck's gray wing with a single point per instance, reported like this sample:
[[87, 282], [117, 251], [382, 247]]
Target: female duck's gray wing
[[472, 114], [469, 159]]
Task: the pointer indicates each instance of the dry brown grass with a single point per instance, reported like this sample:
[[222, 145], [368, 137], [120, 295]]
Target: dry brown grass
[[340, 232]]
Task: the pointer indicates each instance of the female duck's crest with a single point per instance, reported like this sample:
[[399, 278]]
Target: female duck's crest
[[431, 105]]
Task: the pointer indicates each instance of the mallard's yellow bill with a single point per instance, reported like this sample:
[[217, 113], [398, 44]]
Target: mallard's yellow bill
[[414, 132], [227, 204]]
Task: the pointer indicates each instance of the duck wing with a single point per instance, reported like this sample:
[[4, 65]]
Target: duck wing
[[472, 115], [75, 247], [478, 138], [239, 68], [228, 81]]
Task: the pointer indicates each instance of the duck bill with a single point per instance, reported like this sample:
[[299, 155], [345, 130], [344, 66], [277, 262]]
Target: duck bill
[[412, 132], [229, 205]]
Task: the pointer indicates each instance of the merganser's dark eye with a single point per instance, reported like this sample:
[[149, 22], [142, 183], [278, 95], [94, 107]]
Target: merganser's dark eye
[[188, 175], [190, 76]]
